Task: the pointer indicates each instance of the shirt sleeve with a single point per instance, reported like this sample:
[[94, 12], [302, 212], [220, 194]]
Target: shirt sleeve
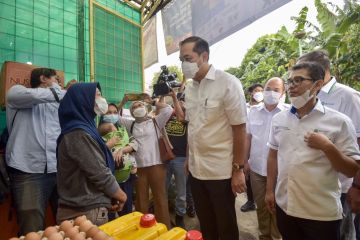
[[346, 140], [19, 96], [163, 116], [88, 156], [234, 102], [133, 143], [353, 111], [272, 143], [126, 122], [248, 129]]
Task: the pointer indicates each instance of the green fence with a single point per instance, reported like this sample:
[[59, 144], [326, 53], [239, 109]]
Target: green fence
[[55, 34]]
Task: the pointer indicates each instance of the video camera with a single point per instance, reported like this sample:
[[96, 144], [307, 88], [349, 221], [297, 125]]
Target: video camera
[[165, 82]]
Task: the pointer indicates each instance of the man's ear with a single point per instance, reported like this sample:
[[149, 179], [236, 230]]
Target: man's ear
[[205, 56], [42, 79], [319, 84]]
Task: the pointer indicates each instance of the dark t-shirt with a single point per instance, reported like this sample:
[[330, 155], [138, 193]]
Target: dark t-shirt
[[177, 132]]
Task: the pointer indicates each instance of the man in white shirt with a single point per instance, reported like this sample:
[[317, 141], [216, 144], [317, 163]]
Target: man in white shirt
[[347, 101], [258, 129], [256, 97], [216, 111], [309, 146]]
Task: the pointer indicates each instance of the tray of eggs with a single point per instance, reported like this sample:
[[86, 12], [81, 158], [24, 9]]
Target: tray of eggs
[[79, 229]]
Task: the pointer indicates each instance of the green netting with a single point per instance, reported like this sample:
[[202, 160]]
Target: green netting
[[117, 51], [43, 32], [55, 33], [121, 8]]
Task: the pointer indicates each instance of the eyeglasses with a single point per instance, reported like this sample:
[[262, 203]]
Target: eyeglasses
[[296, 81]]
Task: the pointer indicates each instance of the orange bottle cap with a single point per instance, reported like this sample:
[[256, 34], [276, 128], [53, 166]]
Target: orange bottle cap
[[193, 235], [147, 220]]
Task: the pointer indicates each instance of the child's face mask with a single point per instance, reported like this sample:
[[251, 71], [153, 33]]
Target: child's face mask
[[111, 118]]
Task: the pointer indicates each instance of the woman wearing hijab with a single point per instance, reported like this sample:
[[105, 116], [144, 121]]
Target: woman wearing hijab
[[151, 171], [86, 184]]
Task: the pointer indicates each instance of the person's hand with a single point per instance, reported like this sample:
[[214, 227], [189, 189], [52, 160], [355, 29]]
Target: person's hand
[[124, 100], [70, 83], [353, 199], [116, 206], [172, 93], [147, 98], [317, 140], [238, 184], [270, 201], [246, 170], [118, 157], [112, 141]]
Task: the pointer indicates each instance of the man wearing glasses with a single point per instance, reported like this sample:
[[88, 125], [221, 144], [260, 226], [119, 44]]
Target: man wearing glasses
[[347, 101], [309, 145]]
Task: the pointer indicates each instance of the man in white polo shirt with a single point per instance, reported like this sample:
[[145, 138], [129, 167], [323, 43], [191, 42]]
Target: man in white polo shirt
[[346, 100], [216, 111], [309, 146], [258, 128]]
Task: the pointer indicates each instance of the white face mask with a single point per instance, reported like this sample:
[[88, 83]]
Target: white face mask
[[189, 69], [300, 101], [139, 112], [101, 106], [271, 97], [258, 96]]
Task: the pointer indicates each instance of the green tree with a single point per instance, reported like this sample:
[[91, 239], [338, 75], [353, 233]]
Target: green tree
[[338, 34], [273, 54]]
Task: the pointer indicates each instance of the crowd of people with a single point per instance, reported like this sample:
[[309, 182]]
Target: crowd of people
[[298, 162]]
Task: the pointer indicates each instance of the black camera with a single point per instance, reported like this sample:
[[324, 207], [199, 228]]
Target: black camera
[[165, 82]]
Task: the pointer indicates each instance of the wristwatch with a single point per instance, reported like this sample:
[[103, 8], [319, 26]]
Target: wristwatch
[[237, 167]]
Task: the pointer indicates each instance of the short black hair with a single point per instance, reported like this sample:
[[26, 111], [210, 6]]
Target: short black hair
[[315, 70], [319, 56], [255, 85], [200, 44], [114, 105], [37, 73]]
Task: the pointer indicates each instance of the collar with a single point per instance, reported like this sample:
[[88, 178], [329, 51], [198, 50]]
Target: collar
[[211, 73], [330, 85], [280, 106], [319, 107]]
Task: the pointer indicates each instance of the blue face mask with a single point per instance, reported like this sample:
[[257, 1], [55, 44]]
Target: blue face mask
[[111, 118]]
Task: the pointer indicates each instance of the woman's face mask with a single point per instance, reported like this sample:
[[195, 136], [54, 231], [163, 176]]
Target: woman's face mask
[[101, 106], [111, 118], [140, 112]]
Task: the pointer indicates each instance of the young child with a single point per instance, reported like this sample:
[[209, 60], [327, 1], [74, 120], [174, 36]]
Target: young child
[[122, 147]]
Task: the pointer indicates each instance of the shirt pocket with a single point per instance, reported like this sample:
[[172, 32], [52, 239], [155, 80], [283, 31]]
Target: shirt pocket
[[211, 110], [256, 127]]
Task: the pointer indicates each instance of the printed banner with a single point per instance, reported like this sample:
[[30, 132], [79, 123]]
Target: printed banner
[[212, 20], [150, 43], [176, 18]]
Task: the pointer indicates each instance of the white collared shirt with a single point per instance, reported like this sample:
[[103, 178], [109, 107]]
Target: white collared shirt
[[258, 126], [343, 99], [347, 101], [307, 184], [212, 107]]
